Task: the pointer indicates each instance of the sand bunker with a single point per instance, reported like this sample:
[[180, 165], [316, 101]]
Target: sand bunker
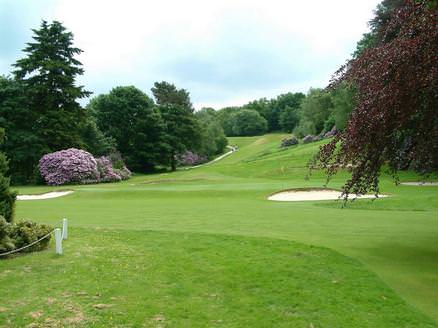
[[419, 183], [48, 195], [299, 195]]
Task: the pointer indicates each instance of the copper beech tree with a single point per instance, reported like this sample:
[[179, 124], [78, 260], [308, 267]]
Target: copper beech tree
[[395, 122]]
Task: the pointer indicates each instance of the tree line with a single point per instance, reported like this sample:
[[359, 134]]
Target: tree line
[[302, 114], [383, 100], [40, 113]]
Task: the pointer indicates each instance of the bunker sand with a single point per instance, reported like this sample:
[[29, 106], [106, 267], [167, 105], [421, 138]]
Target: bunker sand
[[299, 195]]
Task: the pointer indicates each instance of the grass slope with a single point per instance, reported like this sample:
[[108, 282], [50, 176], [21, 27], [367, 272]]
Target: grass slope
[[144, 278], [213, 227]]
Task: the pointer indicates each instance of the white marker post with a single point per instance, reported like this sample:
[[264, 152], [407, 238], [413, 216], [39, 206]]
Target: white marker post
[[58, 241], [64, 229]]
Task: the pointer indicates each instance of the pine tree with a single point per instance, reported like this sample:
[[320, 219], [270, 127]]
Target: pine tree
[[183, 131], [48, 73], [166, 93]]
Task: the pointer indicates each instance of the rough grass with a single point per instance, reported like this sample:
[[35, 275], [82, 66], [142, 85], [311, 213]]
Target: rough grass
[[160, 241], [145, 278]]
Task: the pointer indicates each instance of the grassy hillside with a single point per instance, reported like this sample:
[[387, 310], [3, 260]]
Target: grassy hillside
[[204, 247]]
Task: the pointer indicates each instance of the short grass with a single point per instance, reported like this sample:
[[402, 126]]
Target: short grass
[[204, 247]]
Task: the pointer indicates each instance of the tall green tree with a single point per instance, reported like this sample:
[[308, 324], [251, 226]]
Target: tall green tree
[[287, 106], [266, 109], [183, 131], [213, 140], [289, 99], [129, 116], [48, 75], [95, 141], [289, 119], [314, 111], [22, 145], [207, 114], [280, 113], [247, 122], [225, 117], [166, 93]]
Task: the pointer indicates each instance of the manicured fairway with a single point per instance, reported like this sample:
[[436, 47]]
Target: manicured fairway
[[145, 278], [162, 245]]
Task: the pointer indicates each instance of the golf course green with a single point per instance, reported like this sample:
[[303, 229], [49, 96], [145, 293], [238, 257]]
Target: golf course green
[[205, 248]]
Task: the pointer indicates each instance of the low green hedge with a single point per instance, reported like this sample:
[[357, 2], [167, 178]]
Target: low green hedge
[[22, 233]]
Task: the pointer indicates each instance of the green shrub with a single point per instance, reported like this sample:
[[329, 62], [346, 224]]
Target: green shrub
[[6, 242], [26, 232], [287, 142], [23, 233], [16, 235]]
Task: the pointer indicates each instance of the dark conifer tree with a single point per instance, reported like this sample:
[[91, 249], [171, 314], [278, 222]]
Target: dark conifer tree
[[40, 110], [48, 73], [183, 131]]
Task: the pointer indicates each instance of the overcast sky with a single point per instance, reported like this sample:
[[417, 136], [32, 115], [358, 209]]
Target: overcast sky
[[223, 52]]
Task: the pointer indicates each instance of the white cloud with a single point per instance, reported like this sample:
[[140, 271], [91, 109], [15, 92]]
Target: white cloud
[[224, 52]]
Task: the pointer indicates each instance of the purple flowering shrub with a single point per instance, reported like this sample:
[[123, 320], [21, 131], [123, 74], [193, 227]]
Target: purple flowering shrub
[[78, 166], [106, 171], [124, 173], [69, 166], [189, 158], [109, 172], [119, 166]]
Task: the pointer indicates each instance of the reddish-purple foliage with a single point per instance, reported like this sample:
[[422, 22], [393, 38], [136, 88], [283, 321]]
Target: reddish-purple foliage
[[189, 158], [395, 121], [69, 166]]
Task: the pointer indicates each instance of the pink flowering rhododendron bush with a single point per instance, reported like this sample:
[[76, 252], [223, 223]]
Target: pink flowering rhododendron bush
[[112, 169], [69, 166], [78, 166], [190, 158]]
